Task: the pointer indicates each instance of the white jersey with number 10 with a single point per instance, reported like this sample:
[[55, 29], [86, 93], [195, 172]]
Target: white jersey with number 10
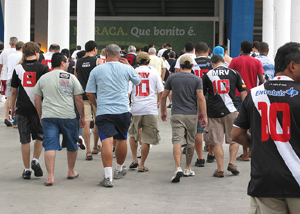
[[144, 95]]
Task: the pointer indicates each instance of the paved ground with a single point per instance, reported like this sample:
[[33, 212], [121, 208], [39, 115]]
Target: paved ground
[[149, 192]]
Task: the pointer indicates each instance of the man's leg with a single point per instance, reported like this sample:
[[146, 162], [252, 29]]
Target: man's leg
[[233, 149], [107, 153], [25, 148], [177, 155], [219, 154], [38, 147], [198, 146], [189, 156], [133, 147], [49, 161], [86, 136], [145, 152], [96, 136], [121, 151], [71, 163]]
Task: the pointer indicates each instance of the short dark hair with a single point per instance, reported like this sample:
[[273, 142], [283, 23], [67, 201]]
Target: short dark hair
[[54, 47], [286, 54], [168, 45], [187, 65], [78, 47], [57, 58], [256, 44], [216, 58], [80, 54], [201, 47], [66, 52], [189, 47], [246, 46], [146, 48], [150, 45], [1, 46], [30, 48], [263, 47], [224, 47], [90, 45]]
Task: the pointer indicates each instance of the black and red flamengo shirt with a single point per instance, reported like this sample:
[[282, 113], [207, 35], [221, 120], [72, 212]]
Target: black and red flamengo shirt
[[272, 111], [24, 77], [203, 66], [131, 58], [220, 83]]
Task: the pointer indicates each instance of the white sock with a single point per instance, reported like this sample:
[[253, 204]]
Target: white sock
[[108, 172], [35, 160], [119, 167], [27, 170]]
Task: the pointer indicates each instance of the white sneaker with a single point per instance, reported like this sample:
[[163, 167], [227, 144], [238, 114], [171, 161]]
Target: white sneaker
[[188, 172], [81, 143], [120, 174], [177, 175]]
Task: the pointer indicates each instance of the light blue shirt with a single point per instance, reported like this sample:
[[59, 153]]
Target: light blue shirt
[[110, 82]]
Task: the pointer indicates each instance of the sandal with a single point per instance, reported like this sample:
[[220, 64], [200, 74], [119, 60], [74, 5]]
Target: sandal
[[96, 150], [143, 169], [89, 155], [133, 165]]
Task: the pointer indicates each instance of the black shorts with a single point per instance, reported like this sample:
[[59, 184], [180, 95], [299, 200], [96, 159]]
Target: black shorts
[[113, 125], [29, 124]]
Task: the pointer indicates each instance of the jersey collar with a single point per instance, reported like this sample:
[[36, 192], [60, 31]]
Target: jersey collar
[[283, 78]]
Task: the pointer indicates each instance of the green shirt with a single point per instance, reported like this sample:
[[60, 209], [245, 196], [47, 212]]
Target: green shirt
[[58, 89]]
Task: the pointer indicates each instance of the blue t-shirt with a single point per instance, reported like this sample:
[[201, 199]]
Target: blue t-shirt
[[110, 82]]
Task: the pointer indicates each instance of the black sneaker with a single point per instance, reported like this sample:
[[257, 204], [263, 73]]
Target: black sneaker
[[26, 174], [200, 162], [35, 166], [210, 158], [170, 105], [7, 123], [184, 150]]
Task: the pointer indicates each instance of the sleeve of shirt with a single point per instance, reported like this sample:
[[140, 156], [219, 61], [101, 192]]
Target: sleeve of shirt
[[1, 59], [260, 69], [240, 85], [162, 64], [37, 89], [177, 65], [199, 83], [204, 81], [243, 120], [130, 87], [133, 76], [168, 83], [159, 84], [91, 86], [77, 86], [15, 80]]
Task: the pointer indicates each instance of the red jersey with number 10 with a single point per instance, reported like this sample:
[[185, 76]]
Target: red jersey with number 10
[[272, 111]]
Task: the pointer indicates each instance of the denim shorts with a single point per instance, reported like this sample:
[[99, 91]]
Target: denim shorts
[[53, 127], [113, 125]]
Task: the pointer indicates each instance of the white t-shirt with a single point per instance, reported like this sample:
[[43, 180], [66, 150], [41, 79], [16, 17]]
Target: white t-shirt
[[193, 56], [12, 60], [3, 61], [74, 55], [48, 58], [144, 96], [160, 52]]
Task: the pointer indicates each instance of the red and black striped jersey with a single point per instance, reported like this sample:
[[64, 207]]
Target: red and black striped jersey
[[272, 111]]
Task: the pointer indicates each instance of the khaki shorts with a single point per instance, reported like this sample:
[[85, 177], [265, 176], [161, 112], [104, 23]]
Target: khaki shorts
[[148, 123], [217, 127], [184, 129], [260, 205], [89, 111]]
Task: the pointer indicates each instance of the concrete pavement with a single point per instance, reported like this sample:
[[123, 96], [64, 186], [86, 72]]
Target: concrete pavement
[[148, 192]]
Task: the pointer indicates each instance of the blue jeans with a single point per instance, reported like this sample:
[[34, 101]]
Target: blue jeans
[[53, 127]]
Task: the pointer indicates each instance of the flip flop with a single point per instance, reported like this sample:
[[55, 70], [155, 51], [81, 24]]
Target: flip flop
[[71, 178], [96, 150], [47, 184], [143, 169], [89, 156], [133, 165]]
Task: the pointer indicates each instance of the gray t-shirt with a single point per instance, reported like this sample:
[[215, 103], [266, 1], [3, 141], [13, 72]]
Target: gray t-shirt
[[184, 95], [58, 88]]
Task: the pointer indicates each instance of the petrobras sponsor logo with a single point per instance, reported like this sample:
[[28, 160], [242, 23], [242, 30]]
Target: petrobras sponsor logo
[[291, 92]]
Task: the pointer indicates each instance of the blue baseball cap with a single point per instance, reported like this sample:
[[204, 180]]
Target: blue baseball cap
[[218, 50]]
